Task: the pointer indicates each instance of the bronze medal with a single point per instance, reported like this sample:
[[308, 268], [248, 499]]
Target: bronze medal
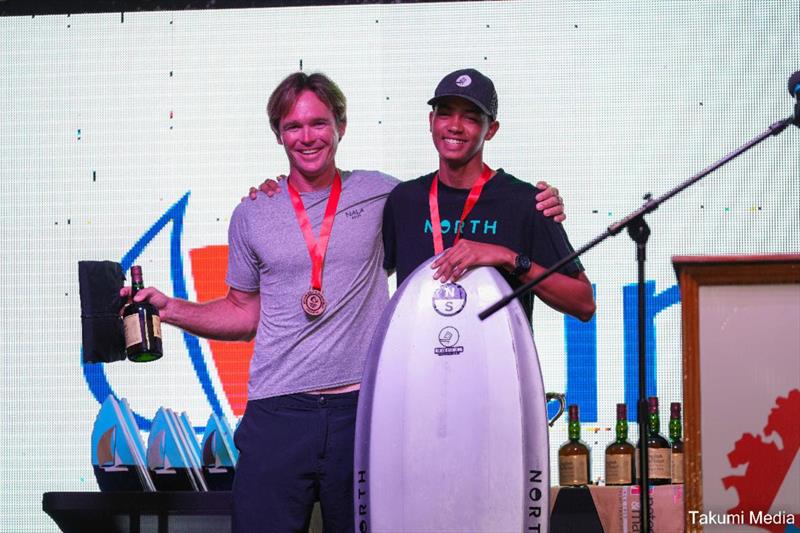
[[313, 302]]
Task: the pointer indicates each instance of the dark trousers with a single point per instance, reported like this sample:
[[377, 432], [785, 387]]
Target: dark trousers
[[294, 450]]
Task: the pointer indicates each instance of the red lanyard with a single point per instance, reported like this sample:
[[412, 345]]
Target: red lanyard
[[317, 248], [472, 199]]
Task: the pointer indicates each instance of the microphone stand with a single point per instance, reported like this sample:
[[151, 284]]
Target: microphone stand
[[639, 232]]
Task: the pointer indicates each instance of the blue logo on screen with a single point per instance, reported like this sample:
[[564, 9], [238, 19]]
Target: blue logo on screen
[[95, 373], [581, 343]]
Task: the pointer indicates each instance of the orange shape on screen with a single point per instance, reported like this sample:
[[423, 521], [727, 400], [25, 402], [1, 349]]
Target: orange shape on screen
[[232, 359]]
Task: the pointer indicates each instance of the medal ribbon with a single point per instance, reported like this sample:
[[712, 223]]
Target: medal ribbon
[[472, 199], [317, 247]]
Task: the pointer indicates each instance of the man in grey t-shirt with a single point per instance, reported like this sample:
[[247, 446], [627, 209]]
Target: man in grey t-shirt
[[296, 436]]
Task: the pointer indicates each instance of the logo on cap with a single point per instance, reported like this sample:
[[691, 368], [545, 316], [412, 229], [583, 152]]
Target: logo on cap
[[463, 80]]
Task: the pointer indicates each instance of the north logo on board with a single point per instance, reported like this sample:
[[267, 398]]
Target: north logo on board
[[448, 338], [449, 299]]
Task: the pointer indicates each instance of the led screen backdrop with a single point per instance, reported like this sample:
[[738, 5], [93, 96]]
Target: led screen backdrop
[[132, 138]]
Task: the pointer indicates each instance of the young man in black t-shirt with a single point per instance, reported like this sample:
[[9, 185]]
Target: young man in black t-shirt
[[499, 227]]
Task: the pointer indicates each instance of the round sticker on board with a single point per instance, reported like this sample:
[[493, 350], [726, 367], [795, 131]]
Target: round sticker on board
[[448, 336], [449, 299]]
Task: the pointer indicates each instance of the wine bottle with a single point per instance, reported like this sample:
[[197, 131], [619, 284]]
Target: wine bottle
[[675, 434], [142, 325], [574, 465], [659, 451], [620, 454]]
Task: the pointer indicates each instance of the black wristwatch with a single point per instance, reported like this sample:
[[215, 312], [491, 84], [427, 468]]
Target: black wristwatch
[[522, 264]]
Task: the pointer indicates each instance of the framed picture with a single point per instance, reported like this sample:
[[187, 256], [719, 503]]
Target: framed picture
[[741, 388]]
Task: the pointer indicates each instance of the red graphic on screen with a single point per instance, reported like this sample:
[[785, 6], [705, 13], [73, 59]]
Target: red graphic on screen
[[232, 359], [767, 464]]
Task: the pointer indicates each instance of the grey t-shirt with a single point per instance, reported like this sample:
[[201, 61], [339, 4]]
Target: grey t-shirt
[[267, 253]]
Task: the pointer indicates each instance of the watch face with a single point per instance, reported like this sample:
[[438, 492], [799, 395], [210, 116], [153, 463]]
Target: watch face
[[522, 264]]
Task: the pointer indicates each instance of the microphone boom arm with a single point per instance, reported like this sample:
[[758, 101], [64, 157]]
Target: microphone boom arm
[[649, 206]]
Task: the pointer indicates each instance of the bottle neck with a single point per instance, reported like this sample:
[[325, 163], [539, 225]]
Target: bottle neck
[[574, 430], [675, 430], [654, 424], [622, 431], [136, 286]]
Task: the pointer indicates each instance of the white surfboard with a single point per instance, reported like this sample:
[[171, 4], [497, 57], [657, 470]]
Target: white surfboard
[[451, 433]]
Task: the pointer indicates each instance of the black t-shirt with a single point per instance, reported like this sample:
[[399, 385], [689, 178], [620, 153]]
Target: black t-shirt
[[505, 215]]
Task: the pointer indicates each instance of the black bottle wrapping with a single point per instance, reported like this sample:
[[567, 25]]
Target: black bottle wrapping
[[101, 325]]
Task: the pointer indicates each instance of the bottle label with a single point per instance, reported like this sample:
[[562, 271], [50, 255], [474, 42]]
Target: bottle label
[[659, 463], [156, 325], [618, 470], [133, 329], [677, 467], [572, 470], [133, 333]]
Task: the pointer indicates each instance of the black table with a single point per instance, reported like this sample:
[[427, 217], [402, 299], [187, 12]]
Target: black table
[[139, 512], [201, 512]]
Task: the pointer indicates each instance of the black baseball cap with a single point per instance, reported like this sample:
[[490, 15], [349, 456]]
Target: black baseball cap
[[471, 85]]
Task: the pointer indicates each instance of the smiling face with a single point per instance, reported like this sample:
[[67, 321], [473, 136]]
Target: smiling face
[[459, 129], [310, 135]]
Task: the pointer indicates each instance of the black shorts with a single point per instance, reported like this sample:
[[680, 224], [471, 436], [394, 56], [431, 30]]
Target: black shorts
[[293, 451]]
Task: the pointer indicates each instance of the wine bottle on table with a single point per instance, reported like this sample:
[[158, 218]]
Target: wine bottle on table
[[659, 450], [574, 466], [142, 325], [675, 434], [620, 454]]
